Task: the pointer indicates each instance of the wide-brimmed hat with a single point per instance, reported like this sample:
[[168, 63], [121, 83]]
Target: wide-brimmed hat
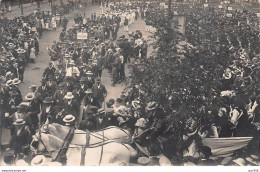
[[39, 160], [69, 95], [89, 73], [136, 104], [89, 91], [16, 81], [240, 161], [19, 122], [151, 105], [34, 87], [48, 100], [101, 111], [22, 105], [9, 83], [29, 96], [69, 118], [72, 62], [9, 158]]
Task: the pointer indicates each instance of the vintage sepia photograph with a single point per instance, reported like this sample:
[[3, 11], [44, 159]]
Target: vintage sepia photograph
[[129, 83]]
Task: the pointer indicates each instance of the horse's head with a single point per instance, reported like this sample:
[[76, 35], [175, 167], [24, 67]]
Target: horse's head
[[54, 129], [45, 142]]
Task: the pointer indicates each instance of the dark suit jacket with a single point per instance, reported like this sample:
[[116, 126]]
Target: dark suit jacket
[[99, 93], [72, 109], [18, 141], [44, 115]]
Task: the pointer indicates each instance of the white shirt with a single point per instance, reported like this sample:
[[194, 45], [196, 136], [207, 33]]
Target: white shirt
[[70, 70]]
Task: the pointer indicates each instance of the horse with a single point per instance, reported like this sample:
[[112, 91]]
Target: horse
[[105, 153], [79, 136]]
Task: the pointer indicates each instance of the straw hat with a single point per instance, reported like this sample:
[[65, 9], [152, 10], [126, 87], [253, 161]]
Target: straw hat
[[69, 95], [48, 100], [89, 91], [151, 105], [16, 81], [69, 118], [29, 96], [39, 160], [89, 73], [9, 83], [19, 122], [136, 104]]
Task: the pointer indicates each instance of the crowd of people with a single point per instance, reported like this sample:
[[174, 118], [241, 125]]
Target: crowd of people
[[74, 75], [72, 94]]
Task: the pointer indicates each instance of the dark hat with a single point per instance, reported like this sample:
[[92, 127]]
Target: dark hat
[[112, 101], [19, 122], [48, 100], [82, 79], [109, 104], [98, 79], [119, 100], [9, 158]]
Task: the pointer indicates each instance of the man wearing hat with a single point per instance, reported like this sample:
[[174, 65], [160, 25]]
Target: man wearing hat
[[99, 92], [58, 77], [89, 79], [47, 111], [83, 85], [70, 105], [88, 119], [59, 94], [51, 85], [49, 71], [32, 111], [69, 120], [101, 119], [42, 90], [72, 69], [21, 137]]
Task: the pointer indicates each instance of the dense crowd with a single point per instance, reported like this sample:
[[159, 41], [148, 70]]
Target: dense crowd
[[72, 94]]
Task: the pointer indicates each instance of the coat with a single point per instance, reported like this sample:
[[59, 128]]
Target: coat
[[17, 141], [99, 93], [50, 114], [72, 108]]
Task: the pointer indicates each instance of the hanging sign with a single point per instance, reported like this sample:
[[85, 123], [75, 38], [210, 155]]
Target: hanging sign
[[81, 35]]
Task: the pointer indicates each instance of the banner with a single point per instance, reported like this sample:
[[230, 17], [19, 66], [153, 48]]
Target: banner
[[81, 35], [223, 147]]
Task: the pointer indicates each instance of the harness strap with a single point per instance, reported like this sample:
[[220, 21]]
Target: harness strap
[[83, 151], [66, 143], [102, 149]]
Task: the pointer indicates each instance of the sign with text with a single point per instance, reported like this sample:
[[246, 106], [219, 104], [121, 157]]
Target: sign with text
[[81, 35], [230, 8]]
